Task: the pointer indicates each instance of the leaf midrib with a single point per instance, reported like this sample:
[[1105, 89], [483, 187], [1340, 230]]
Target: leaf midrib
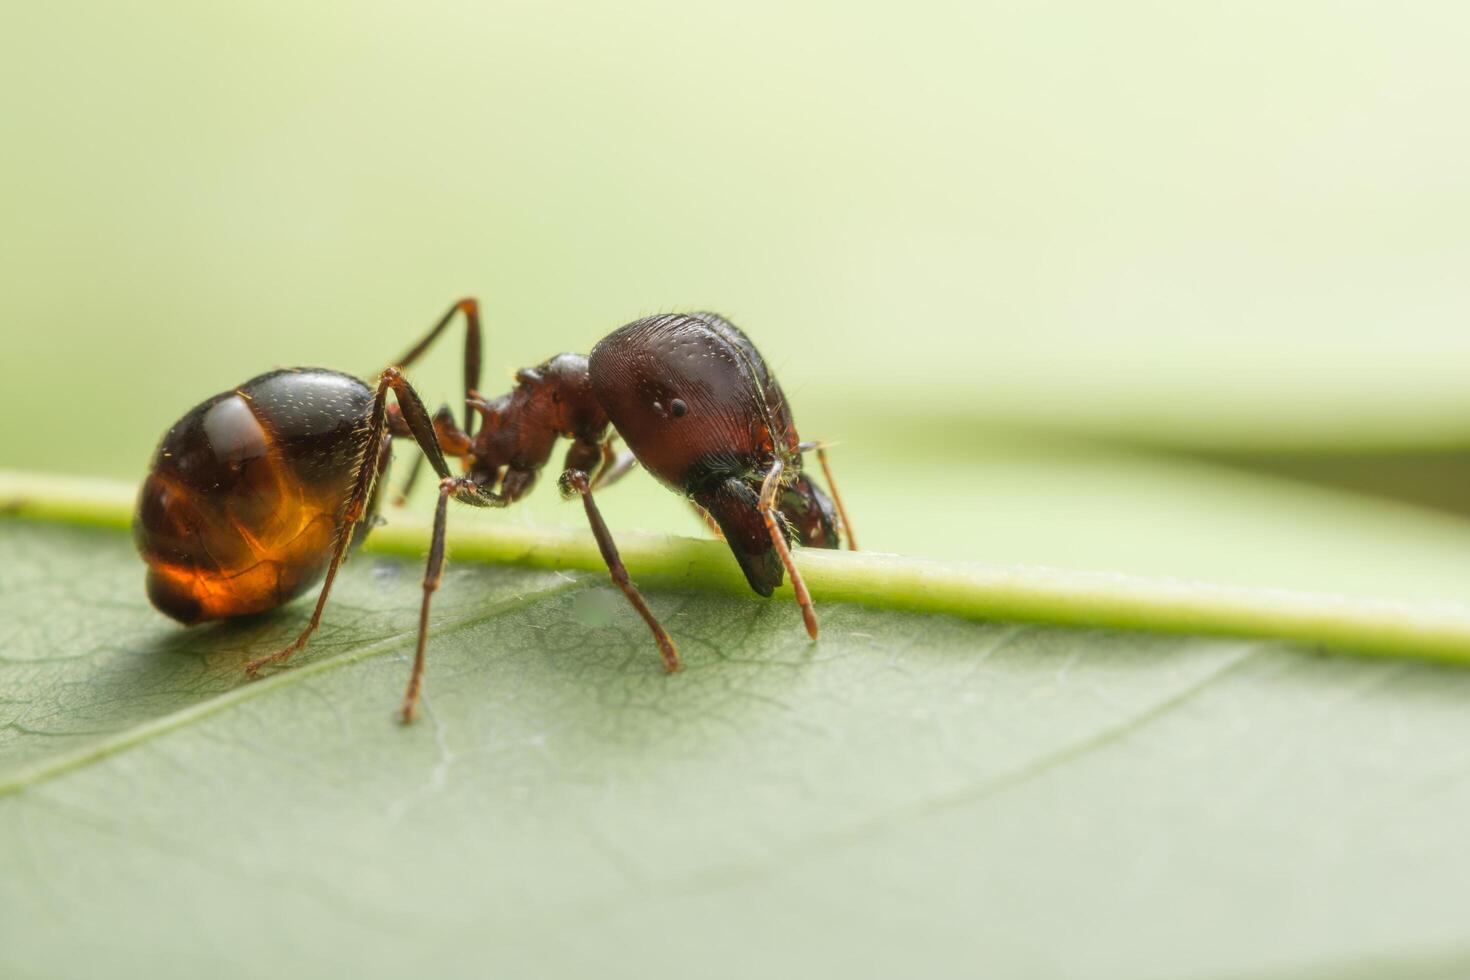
[[1014, 593]]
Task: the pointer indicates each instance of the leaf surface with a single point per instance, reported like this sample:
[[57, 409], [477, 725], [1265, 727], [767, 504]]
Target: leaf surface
[[915, 794]]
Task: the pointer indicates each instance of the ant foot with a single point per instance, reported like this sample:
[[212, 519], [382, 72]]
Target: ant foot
[[252, 669], [672, 663]]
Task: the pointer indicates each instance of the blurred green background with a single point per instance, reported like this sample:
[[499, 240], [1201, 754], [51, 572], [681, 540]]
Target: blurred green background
[[1071, 283]]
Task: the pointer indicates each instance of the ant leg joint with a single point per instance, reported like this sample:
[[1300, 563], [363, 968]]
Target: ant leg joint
[[573, 483]]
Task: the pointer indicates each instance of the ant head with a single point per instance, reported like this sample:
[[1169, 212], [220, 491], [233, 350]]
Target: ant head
[[691, 396]]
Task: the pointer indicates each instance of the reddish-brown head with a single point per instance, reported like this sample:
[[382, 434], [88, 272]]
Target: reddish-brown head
[[692, 398], [696, 403]]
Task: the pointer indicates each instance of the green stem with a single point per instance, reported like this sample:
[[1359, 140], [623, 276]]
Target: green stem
[[969, 590]]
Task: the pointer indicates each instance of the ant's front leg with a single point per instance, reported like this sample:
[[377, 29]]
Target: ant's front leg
[[614, 466], [709, 520], [770, 490], [575, 482]]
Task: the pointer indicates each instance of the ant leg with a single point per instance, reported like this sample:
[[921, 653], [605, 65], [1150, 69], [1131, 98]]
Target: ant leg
[[401, 497], [464, 491], [770, 487], [452, 440], [471, 310], [708, 519], [821, 449], [615, 466], [422, 428], [432, 574], [576, 482], [370, 514]]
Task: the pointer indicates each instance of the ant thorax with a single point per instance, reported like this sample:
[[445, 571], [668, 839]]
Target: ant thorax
[[519, 429]]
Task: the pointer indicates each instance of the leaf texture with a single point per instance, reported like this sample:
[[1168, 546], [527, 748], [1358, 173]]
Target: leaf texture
[[913, 795]]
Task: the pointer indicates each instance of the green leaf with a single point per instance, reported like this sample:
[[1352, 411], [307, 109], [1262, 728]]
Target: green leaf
[[914, 795]]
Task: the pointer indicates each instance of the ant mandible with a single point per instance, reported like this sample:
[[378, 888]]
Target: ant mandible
[[257, 494]]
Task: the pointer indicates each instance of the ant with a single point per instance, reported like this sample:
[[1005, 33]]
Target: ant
[[258, 493]]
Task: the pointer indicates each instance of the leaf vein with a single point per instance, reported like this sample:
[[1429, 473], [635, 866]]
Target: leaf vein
[[46, 769]]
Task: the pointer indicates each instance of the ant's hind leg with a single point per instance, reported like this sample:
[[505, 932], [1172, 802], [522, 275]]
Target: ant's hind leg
[[575, 481], [370, 518], [452, 440], [471, 310], [418, 421], [401, 497]]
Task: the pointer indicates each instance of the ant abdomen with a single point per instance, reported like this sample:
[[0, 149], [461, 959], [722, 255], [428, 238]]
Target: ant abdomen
[[238, 512]]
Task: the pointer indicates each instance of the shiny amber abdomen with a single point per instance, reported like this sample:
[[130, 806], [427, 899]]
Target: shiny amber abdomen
[[238, 511]]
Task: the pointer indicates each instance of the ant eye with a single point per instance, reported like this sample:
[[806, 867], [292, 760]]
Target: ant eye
[[677, 408]]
